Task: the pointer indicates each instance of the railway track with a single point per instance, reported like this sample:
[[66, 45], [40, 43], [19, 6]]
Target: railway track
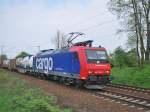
[[129, 88], [125, 99]]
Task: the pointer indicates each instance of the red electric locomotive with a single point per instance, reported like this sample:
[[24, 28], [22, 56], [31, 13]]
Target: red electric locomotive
[[94, 65]]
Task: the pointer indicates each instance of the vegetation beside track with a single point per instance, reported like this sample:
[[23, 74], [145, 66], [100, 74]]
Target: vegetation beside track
[[17, 96], [132, 76]]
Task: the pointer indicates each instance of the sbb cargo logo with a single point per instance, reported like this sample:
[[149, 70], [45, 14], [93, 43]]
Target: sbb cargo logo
[[44, 63]]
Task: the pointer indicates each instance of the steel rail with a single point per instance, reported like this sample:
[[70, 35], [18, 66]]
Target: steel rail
[[127, 98], [129, 87]]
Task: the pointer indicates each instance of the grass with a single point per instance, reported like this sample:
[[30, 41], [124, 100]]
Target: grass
[[132, 76], [17, 96]]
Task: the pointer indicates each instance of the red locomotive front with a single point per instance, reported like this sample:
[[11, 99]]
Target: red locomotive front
[[94, 65]]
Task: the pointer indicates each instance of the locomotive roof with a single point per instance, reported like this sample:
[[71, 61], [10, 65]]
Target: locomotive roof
[[85, 47], [53, 51]]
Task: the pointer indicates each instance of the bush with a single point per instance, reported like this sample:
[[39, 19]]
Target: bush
[[17, 96], [33, 100], [29, 102], [121, 59], [132, 76]]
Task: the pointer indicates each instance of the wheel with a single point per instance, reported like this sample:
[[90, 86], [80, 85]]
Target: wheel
[[62, 80], [78, 83]]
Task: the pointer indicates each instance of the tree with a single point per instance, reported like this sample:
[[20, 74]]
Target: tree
[[120, 57], [131, 58], [3, 57], [138, 28], [134, 14], [59, 40], [146, 10], [22, 54], [133, 43]]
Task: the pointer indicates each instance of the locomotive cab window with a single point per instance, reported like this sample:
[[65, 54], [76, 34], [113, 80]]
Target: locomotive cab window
[[96, 56]]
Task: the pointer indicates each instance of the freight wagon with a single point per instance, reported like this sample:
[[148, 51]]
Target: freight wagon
[[12, 64]]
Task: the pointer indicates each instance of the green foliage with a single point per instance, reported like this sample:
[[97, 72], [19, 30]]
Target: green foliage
[[22, 54], [132, 60], [121, 58], [3, 57], [132, 76], [31, 102], [134, 19], [131, 42], [17, 96]]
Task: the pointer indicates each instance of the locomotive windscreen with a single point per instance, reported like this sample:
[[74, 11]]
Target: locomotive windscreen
[[96, 56]]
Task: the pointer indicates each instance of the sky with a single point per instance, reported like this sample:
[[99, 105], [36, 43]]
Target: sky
[[26, 24]]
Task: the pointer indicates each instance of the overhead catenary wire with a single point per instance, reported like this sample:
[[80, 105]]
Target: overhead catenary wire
[[90, 27], [87, 19], [97, 25], [84, 29], [10, 49]]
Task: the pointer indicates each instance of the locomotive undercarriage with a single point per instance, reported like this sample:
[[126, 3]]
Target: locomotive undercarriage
[[99, 79], [91, 82]]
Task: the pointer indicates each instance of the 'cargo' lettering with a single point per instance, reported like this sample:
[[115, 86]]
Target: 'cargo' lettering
[[44, 63]]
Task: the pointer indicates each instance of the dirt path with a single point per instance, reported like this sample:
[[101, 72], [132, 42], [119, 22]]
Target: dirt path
[[79, 101]]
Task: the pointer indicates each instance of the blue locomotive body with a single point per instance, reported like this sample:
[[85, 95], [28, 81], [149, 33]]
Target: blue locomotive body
[[60, 64]]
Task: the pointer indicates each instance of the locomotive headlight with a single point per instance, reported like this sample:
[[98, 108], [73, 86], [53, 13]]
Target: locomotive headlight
[[83, 77], [90, 72], [107, 72]]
